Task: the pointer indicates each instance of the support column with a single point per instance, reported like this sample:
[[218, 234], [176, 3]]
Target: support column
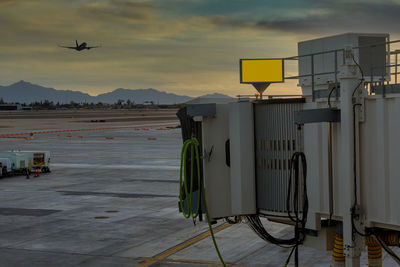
[[349, 77]]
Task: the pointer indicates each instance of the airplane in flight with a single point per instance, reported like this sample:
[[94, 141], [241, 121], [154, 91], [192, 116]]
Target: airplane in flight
[[79, 47]]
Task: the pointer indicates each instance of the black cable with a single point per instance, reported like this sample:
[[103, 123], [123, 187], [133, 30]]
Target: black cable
[[362, 76], [355, 204], [380, 241], [294, 165], [255, 222], [385, 247], [300, 221], [258, 228], [330, 94], [355, 156], [290, 255]]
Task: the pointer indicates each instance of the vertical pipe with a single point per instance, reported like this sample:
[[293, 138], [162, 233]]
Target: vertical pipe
[[330, 167], [395, 71], [312, 78], [336, 81], [349, 80], [344, 57], [383, 84], [372, 79], [330, 170], [281, 153]]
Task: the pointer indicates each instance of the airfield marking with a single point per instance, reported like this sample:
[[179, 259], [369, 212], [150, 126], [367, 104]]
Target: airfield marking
[[138, 127], [183, 245], [199, 262], [116, 166], [112, 156]]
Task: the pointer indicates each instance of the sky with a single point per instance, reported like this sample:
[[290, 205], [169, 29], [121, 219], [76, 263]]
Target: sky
[[187, 47]]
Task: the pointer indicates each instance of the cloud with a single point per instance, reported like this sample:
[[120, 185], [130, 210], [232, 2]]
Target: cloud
[[5, 3], [324, 16], [119, 10], [182, 46]]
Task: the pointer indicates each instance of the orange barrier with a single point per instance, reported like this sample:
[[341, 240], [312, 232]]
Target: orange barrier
[[11, 135], [17, 137], [151, 138], [109, 137]]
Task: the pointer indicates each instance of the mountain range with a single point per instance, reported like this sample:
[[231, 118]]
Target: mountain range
[[25, 92]]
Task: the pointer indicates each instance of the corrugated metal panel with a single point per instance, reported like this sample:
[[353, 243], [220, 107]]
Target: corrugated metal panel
[[277, 138]]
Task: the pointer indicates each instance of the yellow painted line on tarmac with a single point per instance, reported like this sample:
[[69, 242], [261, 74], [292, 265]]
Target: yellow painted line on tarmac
[[181, 246], [199, 262]]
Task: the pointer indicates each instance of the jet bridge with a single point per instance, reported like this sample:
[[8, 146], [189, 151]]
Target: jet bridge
[[327, 157]]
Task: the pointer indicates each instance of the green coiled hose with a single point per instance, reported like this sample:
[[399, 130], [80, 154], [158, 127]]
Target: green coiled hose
[[193, 144]]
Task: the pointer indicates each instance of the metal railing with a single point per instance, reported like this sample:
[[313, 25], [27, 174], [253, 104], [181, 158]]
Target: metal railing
[[256, 96], [385, 76]]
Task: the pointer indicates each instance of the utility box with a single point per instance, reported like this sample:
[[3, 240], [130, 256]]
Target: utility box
[[372, 60], [217, 182], [242, 172], [19, 161]]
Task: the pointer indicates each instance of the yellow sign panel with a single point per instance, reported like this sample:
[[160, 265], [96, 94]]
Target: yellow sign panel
[[261, 70]]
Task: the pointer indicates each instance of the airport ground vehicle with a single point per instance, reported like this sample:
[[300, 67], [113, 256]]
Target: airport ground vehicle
[[5, 167], [27, 161], [40, 159], [20, 162]]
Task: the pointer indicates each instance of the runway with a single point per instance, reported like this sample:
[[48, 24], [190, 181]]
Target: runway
[[114, 202]]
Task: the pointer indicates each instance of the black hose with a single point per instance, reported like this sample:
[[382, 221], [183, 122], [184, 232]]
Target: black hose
[[300, 221], [295, 167]]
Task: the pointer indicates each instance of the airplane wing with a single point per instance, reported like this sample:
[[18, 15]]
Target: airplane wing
[[90, 47], [70, 47]]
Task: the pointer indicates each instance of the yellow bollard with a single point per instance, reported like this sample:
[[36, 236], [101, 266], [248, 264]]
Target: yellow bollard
[[337, 252], [374, 252]]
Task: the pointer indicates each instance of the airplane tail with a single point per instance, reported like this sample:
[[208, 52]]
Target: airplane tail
[[76, 41]]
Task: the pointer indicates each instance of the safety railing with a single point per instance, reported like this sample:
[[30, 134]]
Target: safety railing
[[338, 54]]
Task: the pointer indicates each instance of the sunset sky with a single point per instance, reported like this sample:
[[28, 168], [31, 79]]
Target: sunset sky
[[187, 47]]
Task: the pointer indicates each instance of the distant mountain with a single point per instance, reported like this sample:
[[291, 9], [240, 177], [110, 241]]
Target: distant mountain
[[140, 96], [215, 95], [25, 92]]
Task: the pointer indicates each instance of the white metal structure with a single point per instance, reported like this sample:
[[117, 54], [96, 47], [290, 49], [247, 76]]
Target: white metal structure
[[353, 174], [242, 167], [19, 161], [216, 172], [229, 133], [5, 166]]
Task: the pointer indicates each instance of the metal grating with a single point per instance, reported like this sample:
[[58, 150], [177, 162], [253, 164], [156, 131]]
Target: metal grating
[[276, 137]]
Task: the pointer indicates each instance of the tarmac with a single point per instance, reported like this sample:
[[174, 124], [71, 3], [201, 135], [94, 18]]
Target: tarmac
[[112, 200]]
